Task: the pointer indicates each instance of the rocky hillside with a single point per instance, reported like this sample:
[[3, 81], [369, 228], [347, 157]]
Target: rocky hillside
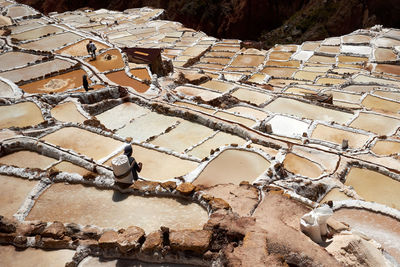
[[271, 21]]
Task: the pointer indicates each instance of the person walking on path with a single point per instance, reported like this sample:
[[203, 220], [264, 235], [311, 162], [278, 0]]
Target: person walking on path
[[85, 83], [91, 49], [136, 167]]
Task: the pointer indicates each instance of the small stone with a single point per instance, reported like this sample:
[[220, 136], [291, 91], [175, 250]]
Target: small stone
[[89, 232], [170, 185], [145, 186], [219, 203], [153, 242], [130, 239], [191, 240], [56, 230], [185, 188], [89, 243], [108, 240], [51, 243], [207, 197], [20, 241], [8, 225], [7, 238]]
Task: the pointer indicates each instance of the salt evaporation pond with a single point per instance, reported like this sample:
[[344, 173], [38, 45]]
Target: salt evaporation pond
[[82, 141], [374, 186], [233, 166], [13, 193], [20, 115], [27, 159], [67, 112], [381, 228], [159, 166], [107, 208], [302, 166], [31, 257], [100, 262]]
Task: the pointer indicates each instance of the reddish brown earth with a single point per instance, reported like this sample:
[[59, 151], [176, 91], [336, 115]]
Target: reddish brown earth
[[271, 21]]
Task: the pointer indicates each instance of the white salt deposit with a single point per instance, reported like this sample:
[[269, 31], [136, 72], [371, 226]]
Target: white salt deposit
[[303, 55], [286, 126], [356, 49]]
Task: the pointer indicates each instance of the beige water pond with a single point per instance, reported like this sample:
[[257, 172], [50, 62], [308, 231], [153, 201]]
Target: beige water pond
[[290, 63], [335, 195], [27, 159], [301, 91], [370, 79], [392, 69], [307, 75], [329, 49], [247, 61], [141, 73], [67, 112], [356, 39], [383, 229], [301, 109], [20, 11], [56, 84], [195, 107], [233, 166], [380, 125], [279, 72], [32, 257], [220, 54], [215, 60], [280, 55], [333, 81], [249, 112], [217, 85], [194, 51], [310, 46], [109, 60], [6, 90], [218, 140], [108, 208], [374, 186], [336, 136], [319, 68], [65, 166], [14, 191], [52, 42], [11, 60], [185, 135], [152, 124], [192, 91], [120, 115], [388, 94], [36, 33], [121, 78], [382, 54], [377, 103], [344, 96], [322, 59], [386, 42], [36, 70], [20, 115], [386, 147], [251, 96], [84, 142], [208, 66], [259, 78], [234, 118], [302, 166], [348, 59], [225, 48], [24, 27]]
